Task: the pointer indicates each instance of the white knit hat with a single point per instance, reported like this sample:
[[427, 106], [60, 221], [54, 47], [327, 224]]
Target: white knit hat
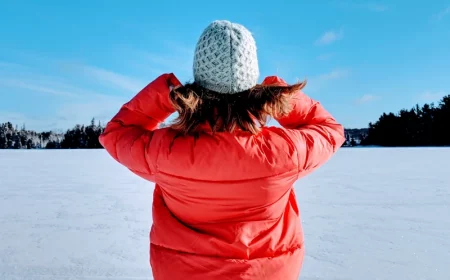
[[225, 58]]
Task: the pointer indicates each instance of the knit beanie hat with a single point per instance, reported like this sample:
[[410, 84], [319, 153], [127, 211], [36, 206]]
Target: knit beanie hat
[[225, 59]]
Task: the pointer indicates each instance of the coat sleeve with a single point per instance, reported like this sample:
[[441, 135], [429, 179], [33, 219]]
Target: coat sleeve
[[128, 136], [312, 130]]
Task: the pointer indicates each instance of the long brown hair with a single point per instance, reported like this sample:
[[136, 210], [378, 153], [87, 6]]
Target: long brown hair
[[247, 110]]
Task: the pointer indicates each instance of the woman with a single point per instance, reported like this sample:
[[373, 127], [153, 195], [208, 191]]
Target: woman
[[224, 205]]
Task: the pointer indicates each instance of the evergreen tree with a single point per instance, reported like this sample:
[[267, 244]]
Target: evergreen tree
[[30, 144], [3, 140], [17, 144], [419, 126]]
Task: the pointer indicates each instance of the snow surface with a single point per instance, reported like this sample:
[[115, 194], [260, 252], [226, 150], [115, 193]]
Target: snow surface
[[367, 214]]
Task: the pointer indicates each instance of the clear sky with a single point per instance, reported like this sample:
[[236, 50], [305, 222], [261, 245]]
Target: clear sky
[[64, 62]]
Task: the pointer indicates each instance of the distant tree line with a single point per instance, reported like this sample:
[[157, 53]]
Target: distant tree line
[[79, 137], [11, 137], [428, 125], [82, 137], [354, 136]]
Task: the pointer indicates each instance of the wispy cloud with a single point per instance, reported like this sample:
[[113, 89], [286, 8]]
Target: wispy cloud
[[432, 96], [325, 56], [29, 80], [176, 58], [333, 75], [4, 64], [180, 64], [74, 92], [27, 85], [181, 49], [72, 103], [19, 119], [369, 6], [367, 98], [166, 61], [81, 111], [330, 37], [110, 78], [317, 82], [442, 14], [67, 114], [375, 7]]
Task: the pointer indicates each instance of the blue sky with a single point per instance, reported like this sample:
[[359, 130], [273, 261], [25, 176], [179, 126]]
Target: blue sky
[[64, 62]]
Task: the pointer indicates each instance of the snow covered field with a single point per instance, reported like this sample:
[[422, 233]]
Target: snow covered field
[[367, 214]]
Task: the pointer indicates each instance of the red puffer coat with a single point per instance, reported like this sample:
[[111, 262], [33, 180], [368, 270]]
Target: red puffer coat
[[224, 205]]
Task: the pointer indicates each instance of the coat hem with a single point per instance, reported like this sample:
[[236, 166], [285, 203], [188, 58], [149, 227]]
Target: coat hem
[[279, 254]]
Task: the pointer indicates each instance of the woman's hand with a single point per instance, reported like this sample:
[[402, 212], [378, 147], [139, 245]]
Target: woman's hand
[[274, 81], [173, 82], [174, 87]]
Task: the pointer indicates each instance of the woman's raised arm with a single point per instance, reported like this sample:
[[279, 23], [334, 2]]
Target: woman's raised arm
[[314, 132], [128, 136]]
